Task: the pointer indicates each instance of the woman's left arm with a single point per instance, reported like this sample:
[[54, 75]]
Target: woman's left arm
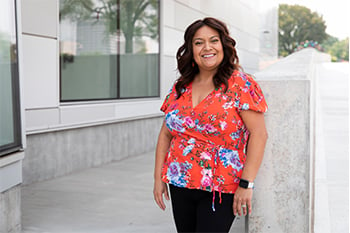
[[255, 123]]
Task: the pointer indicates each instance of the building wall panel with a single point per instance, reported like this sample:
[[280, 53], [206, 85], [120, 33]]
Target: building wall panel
[[40, 17], [41, 72]]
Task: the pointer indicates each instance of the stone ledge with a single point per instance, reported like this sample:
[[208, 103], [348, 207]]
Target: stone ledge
[[12, 158], [11, 171]]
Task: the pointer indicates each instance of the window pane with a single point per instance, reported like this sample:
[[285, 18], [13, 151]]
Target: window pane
[[9, 111], [139, 48], [88, 49], [109, 49]]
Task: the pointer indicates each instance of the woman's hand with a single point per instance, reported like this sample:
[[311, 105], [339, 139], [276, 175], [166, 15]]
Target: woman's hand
[[159, 189], [242, 201]]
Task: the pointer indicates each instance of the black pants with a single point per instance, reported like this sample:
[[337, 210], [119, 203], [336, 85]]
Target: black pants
[[193, 211]]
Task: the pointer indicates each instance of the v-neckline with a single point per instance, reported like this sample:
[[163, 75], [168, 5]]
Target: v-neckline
[[200, 102]]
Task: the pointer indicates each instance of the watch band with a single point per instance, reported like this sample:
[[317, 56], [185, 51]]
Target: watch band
[[245, 184]]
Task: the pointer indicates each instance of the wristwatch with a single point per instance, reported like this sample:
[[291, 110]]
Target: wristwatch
[[246, 184]]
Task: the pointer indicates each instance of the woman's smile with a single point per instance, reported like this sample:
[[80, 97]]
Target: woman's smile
[[208, 55]]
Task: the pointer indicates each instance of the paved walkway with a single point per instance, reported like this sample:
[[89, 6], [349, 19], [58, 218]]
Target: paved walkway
[[332, 149], [115, 198]]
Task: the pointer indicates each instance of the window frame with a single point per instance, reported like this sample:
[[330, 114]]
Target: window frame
[[16, 145]]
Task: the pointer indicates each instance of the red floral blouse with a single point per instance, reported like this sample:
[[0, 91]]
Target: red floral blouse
[[209, 140]]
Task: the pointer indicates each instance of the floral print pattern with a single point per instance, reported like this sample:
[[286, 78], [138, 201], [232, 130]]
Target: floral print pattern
[[207, 148], [230, 158], [177, 173]]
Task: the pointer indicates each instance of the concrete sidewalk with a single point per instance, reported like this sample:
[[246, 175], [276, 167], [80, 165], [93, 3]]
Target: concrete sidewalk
[[114, 198]]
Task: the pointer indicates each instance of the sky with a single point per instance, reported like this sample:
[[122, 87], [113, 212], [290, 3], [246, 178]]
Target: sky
[[334, 12]]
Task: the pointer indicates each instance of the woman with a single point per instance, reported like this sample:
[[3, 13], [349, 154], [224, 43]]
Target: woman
[[202, 150]]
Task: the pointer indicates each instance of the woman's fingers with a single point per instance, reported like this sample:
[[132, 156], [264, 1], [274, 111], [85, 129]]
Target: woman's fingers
[[158, 197], [159, 190], [237, 203], [166, 194], [244, 209], [249, 206], [242, 202], [161, 202], [246, 206]]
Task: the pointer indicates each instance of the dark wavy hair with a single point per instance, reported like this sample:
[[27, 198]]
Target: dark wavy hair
[[188, 67]]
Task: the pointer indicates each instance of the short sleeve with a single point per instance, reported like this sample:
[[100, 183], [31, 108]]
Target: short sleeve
[[167, 101], [252, 97]]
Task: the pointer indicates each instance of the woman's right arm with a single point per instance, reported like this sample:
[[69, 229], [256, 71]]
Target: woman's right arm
[[160, 187]]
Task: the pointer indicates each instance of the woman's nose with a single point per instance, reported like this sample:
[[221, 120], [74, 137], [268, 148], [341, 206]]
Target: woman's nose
[[207, 45]]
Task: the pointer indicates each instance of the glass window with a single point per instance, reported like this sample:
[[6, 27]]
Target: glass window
[[10, 134], [139, 48], [109, 49]]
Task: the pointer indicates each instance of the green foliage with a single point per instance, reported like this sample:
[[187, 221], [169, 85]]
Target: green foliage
[[339, 50], [298, 24], [329, 42]]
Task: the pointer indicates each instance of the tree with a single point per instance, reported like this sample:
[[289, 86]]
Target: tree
[[298, 24], [340, 50], [136, 21], [76, 9], [329, 42]]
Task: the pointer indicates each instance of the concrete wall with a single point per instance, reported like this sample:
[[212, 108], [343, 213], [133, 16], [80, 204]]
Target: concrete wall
[[53, 154], [283, 197], [10, 210]]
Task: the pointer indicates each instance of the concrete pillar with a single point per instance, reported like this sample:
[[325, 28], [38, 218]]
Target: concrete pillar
[[10, 193], [281, 197], [10, 210], [284, 194]]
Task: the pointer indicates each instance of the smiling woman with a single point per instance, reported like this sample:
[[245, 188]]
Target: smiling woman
[[209, 114]]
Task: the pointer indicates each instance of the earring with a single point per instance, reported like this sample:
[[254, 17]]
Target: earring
[[192, 64]]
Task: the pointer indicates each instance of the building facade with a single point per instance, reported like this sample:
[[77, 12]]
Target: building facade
[[85, 81]]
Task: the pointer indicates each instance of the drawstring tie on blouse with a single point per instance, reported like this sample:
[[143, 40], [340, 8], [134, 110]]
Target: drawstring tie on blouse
[[214, 170], [213, 203]]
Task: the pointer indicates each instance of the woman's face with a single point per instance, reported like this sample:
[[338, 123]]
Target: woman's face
[[207, 49]]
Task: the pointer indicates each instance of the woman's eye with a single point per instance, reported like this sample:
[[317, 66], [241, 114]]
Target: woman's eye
[[198, 43], [215, 41]]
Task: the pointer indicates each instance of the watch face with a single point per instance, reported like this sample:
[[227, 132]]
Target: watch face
[[244, 183]]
